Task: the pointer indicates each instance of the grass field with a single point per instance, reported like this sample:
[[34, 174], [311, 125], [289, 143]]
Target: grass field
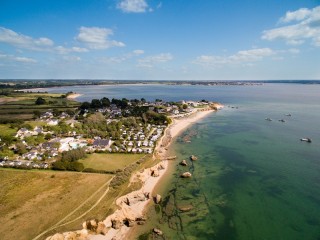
[[22, 105], [33, 201], [110, 162]]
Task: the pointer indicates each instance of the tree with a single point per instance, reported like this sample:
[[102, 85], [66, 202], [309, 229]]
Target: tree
[[85, 105], [40, 101], [95, 103], [36, 114], [184, 106], [105, 102]]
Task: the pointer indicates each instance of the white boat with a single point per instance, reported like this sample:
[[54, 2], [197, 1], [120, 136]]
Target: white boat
[[306, 140], [268, 119]]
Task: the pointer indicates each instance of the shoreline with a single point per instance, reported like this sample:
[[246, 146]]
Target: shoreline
[[149, 183], [131, 208]]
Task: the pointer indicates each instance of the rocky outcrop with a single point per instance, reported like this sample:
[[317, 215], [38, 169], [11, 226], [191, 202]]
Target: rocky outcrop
[[183, 163], [157, 199], [95, 226], [155, 173], [186, 175], [193, 158], [117, 223], [139, 197]]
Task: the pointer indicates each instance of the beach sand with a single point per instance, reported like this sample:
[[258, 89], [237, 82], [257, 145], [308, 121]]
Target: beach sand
[[74, 95]]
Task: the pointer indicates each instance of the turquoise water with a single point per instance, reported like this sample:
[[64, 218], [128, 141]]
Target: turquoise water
[[254, 178]]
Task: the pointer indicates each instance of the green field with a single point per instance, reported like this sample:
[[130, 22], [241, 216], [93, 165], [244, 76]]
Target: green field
[[33, 201], [110, 161], [22, 105]]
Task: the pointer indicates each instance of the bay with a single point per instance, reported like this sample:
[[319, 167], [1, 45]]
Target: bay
[[254, 178]]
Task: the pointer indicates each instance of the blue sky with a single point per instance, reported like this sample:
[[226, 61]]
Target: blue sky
[[160, 39]]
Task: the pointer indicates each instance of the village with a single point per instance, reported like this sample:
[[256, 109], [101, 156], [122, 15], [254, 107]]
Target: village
[[96, 128]]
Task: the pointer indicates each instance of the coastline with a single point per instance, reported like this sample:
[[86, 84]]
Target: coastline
[[131, 208], [149, 183]]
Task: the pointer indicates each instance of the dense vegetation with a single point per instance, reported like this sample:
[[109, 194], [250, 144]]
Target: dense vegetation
[[69, 161]]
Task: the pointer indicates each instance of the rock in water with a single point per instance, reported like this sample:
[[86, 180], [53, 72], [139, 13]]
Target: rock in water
[[184, 163], [186, 175], [157, 199], [193, 158], [157, 231], [185, 208]]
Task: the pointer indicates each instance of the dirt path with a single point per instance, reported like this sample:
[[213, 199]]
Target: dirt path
[[60, 223]]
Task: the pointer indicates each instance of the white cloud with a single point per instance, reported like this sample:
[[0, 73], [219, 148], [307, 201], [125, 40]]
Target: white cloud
[[64, 50], [124, 57], [22, 41], [150, 61], [97, 38], [12, 58], [72, 58], [241, 57], [305, 26], [133, 6], [138, 52], [298, 15]]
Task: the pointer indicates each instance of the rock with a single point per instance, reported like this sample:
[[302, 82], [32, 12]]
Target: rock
[[142, 218], [128, 222], [70, 236], [186, 175], [186, 208], [184, 163], [101, 229], [127, 201], [90, 225], [57, 236], [158, 231], [147, 195], [116, 223], [160, 167], [193, 158], [154, 173], [157, 199]]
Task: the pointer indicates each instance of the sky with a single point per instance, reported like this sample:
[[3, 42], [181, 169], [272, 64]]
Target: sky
[[160, 39]]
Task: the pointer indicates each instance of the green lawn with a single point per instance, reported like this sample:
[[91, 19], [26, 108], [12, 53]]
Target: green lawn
[[110, 161]]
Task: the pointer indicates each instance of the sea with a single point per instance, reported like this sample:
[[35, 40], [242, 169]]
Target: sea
[[254, 179]]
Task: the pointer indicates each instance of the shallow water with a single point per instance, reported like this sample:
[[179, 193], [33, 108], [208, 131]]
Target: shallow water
[[254, 179]]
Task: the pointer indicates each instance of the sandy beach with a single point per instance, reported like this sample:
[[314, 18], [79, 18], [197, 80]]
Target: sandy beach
[[74, 95], [132, 206]]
